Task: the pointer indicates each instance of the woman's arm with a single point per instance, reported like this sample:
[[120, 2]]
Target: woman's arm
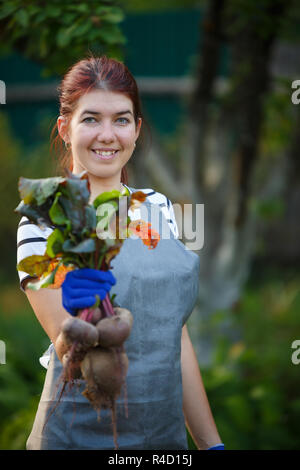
[[196, 409], [47, 306]]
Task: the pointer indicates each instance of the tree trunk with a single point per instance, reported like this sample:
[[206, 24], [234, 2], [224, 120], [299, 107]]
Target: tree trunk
[[225, 174]]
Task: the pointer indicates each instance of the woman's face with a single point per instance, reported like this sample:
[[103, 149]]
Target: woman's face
[[102, 133]]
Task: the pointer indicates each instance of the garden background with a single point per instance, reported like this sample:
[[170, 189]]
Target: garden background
[[216, 81]]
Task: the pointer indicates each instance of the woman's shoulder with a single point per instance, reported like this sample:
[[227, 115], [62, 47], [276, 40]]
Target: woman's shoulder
[[31, 240], [153, 196], [164, 203], [28, 229]]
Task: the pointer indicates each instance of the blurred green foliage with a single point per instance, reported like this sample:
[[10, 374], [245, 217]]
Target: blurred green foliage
[[141, 6], [279, 118], [22, 376], [16, 161], [252, 384], [60, 33]]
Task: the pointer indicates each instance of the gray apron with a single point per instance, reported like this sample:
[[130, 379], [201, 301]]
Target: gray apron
[[159, 286]]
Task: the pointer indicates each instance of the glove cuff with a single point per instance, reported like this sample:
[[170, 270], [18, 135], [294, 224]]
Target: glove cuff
[[217, 447]]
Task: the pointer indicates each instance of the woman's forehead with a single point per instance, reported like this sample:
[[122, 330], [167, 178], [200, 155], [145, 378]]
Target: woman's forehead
[[104, 101]]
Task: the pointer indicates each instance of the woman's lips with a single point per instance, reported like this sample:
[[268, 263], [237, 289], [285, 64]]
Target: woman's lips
[[105, 157]]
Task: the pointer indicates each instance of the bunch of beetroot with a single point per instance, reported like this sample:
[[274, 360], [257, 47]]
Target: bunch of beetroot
[[85, 235], [96, 353]]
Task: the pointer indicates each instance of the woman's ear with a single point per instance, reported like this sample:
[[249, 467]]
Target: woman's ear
[[138, 128], [62, 127]]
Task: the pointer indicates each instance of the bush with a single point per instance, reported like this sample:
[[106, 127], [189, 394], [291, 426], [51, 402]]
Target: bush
[[16, 161], [252, 384], [22, 376]]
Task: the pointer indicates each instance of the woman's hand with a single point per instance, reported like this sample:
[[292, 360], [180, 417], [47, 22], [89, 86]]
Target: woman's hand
[[82, 285]]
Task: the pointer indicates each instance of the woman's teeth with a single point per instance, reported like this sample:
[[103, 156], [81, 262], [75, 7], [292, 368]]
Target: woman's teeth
[[104, 154]]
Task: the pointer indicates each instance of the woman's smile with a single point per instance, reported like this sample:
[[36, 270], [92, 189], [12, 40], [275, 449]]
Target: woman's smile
[[105, 154]]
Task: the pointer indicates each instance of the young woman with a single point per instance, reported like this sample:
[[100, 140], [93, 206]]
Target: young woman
[[100, 121]]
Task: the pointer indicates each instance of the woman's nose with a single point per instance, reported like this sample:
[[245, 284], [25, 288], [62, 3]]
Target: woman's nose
[[106, 132]]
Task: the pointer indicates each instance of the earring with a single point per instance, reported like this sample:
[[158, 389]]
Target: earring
[[67, 145]]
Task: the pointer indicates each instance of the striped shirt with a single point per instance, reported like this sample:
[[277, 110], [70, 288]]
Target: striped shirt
[[32, 240]]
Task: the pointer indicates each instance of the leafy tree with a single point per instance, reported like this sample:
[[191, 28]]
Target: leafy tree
[[57, 33]]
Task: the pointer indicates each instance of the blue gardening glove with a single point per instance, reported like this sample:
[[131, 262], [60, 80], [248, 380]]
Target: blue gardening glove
[[217, 447], [81, 286]]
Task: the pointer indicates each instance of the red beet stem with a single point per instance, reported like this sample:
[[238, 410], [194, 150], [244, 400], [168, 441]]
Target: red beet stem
[[108, 306], [84, 313], [90, 316]]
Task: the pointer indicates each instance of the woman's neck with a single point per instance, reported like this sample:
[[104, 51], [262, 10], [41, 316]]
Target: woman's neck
[[98, 186]]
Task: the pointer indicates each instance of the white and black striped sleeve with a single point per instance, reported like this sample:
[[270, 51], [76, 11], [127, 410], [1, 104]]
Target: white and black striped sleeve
[[173, 222], [166, 207], [31, 240]]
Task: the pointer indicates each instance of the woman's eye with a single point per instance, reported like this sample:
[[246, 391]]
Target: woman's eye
[[88, 119], [124, 119]]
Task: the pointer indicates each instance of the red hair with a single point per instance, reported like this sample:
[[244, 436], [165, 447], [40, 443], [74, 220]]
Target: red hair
[[93, 73]]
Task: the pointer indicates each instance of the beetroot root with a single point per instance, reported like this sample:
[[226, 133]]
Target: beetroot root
[[125, 315], [96, 354], [83, 333], [78, 335], [113, 331], [104, 371], [96, 316], [71, 365]]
